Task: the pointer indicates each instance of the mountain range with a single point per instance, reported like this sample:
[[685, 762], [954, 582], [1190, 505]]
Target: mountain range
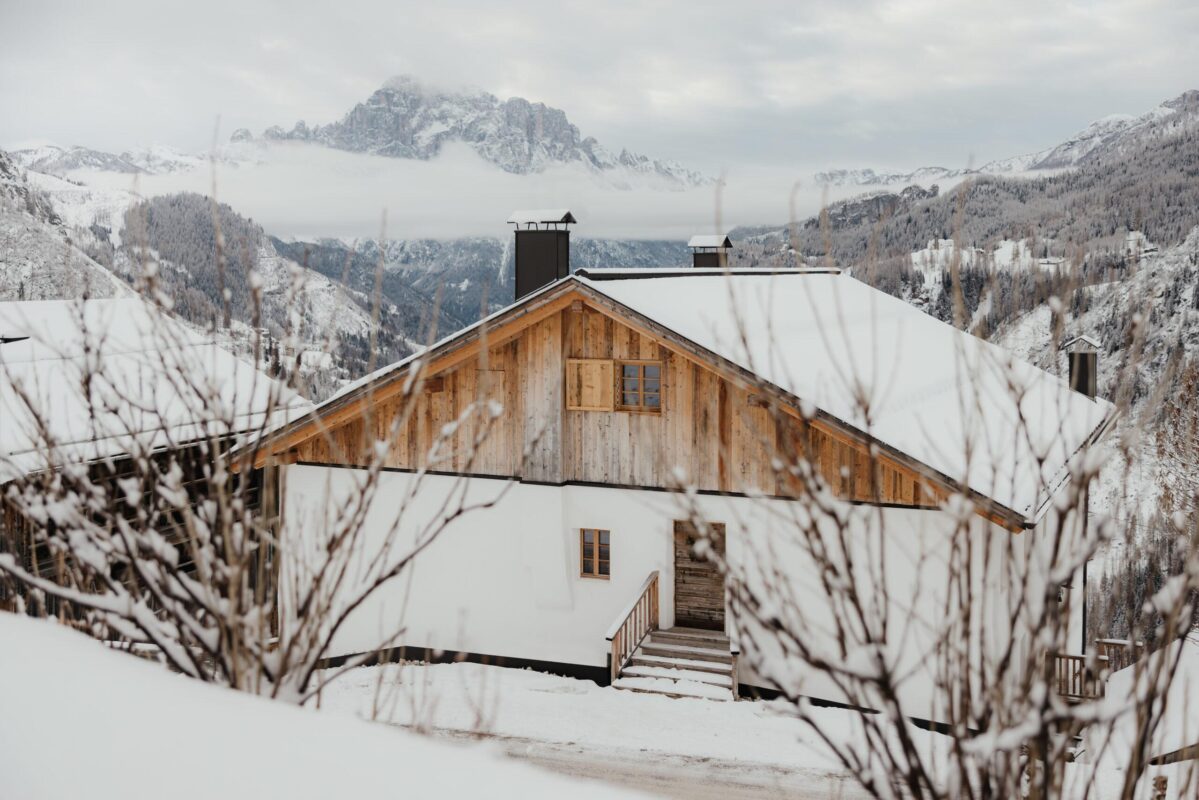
[[407, 120], [1099, 140]]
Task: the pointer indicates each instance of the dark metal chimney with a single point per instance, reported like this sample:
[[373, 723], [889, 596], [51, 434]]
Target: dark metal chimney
[[1083, 355], [542, 247], [710, 250]]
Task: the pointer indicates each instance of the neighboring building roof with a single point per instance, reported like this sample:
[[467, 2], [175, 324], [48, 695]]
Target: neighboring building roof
[[937, 395], [541, 215], [150, 372], [1082, 339], [709, 240]]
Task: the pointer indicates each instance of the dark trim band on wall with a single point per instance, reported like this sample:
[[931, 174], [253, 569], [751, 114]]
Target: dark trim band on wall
[[429, 655], [597, 485]]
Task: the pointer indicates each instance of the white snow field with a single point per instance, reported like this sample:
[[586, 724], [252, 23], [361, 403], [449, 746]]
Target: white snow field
[[681, 748], [79, 720]]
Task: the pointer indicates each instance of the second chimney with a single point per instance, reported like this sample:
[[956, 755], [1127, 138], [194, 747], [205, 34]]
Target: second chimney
[[710, 250], [542, 247], [1083, 355]]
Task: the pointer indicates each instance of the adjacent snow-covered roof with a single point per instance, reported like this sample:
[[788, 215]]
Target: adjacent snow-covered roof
[[959, 405], [924, 388], [152, 378], [541, 215], [709, 240]]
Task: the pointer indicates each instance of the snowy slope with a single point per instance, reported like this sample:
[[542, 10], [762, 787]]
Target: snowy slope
[[1163, 292], [38, 259], [84, 721]]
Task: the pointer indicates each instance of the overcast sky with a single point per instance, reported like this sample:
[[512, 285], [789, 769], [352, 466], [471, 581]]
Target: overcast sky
[[817, 83]]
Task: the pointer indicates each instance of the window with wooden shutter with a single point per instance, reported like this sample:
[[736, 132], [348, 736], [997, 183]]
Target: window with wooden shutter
[[595, 550], [639, 386], [589, 384]]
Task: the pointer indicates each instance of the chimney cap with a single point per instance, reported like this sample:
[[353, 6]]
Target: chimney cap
[[717, 240], [1079, 342], [542, 216]]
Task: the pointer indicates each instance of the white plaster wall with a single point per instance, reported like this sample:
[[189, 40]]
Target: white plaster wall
[[504, 581], [501, 581]]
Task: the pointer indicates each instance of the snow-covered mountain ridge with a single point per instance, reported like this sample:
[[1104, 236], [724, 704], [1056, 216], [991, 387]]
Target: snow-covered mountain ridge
[[52, 159], [1103, 137]]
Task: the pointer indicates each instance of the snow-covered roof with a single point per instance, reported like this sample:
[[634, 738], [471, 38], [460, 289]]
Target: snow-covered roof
[[1082, 339], [152, 378], [938, 395], [709, 240], [934, 393], [541, 215]]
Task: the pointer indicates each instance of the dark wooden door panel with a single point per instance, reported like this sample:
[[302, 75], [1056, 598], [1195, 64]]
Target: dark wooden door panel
[[698, 584]]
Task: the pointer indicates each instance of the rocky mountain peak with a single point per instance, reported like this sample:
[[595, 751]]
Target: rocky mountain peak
[[406, 118]]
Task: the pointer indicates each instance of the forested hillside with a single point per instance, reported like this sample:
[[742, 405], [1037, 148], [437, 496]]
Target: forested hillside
[[220, 272]]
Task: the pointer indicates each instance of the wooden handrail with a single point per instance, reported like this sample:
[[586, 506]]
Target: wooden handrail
[[635, 622]]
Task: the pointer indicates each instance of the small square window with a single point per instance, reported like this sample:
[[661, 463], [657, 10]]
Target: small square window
[[640, 386], [595, 550]]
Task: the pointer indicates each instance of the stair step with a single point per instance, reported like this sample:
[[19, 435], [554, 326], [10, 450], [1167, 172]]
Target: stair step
[[682, 651], [677, 689], [697, 633], [670, 637], [639, 659], [675, 674]]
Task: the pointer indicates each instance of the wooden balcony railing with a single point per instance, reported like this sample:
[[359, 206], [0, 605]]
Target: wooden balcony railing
[[1120, 653], [1074, 680], [634, 624]]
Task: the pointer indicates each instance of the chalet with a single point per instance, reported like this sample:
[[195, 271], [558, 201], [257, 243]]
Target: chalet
[[618, 397]]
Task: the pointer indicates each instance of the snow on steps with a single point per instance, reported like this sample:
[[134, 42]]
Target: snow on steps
[[678, 674], [681, 662], [641, 660], [654, 648], [672, 688]]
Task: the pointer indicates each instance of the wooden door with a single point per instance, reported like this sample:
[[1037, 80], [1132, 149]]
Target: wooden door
[[698, 584]]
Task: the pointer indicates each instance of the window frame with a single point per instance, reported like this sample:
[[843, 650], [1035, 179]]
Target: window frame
[[602, 537], [619, 387]]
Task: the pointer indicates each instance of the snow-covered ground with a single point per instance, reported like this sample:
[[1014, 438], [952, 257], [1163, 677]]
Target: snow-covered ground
[[751, 748], [81, 721], [476, 698]]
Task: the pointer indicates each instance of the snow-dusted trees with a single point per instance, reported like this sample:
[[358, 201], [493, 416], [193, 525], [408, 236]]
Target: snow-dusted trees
[[945, 616], [137, 507]]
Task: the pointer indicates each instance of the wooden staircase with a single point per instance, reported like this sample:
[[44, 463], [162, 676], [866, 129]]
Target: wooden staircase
[[682, 662]]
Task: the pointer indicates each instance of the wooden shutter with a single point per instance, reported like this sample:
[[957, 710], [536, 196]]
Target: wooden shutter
[[589, 384]]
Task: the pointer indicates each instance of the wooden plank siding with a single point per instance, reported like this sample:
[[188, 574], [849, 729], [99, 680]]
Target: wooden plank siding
[[718, 433]]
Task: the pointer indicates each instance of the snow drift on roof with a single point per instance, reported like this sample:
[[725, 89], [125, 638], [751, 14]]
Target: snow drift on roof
[[154, 379], [954, 402], [709, 240]]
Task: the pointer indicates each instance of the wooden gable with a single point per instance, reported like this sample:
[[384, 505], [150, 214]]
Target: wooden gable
[[556, 379]]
